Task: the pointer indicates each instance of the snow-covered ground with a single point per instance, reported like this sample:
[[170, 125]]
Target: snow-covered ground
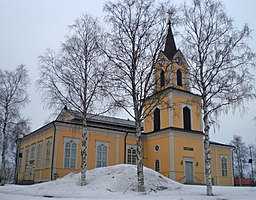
[[119, 182]]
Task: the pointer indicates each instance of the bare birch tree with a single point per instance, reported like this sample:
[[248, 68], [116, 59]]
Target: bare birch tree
[[220, 60], [240, 156], [138, 30], [13, 97], [73, 77]]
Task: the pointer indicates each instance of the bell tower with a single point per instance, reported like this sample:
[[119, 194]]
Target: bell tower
[[173, 103], [171, 69]]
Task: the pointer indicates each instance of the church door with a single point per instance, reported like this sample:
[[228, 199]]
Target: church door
[[189, 172]]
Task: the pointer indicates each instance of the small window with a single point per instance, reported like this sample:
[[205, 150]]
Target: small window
[[157, 165], [157, 119], [156, 148], [131, 155], [224, 166], [187, 118], [162, 78], [179, 77]]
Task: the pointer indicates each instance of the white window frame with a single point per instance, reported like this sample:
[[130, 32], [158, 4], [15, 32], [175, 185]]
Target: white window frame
[[131, 161], [224, 172], [99, 161], [69, 157], [48, 145]]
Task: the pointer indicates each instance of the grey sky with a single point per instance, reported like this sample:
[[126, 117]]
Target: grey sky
[[29, 27]]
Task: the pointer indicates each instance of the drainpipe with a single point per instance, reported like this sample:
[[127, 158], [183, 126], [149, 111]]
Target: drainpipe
[[53, 149], [125, 147]]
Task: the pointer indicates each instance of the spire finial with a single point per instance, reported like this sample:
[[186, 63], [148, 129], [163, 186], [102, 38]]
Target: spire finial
[[170, 13]]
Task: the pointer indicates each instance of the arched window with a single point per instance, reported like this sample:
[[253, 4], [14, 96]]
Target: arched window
[[157, 165], [179, 77], [26, 158], [101, 155], [48, 152], [131, 155], [70, 155], [224, 166], [162, 78], [157, 119], [186, 118], [32, 155], [39, 154]]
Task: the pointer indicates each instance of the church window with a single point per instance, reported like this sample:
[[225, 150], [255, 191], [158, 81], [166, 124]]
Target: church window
[[32, 155], [224, 166], [187, 118], [26, 158], [179, 77], [48, 151], [20, 160], [39, 154], [101, 154], [156, 148], [157, 165], [131, 155], [157, 119], [70, 154], [162, 78]]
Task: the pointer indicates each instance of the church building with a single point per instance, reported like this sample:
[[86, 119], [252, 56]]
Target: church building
[[173, 138]]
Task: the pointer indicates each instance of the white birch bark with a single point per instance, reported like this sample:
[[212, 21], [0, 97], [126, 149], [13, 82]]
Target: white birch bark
[[84, 152], [208, 172], [207, 149], [3, 168], [140, 175]]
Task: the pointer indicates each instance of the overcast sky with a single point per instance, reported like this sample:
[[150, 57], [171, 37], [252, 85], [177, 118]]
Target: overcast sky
[[29, 27]]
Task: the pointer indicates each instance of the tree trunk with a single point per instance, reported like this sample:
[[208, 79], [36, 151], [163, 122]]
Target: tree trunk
[[84, 152], [141, 187], [5, 146], [240, 171], [207, 157]]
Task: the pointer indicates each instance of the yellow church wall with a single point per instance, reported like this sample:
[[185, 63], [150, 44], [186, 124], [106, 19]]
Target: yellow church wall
[[163, 154], [38, 173], [114, 139], [183, 145], [164, 113], [185, 84], [217, 152], [178, 102], [163, 66], [162, 102], [148, 125], [72, 132], [108, 138], [121, 150], [116, 154], [131, 140], [115, 143]]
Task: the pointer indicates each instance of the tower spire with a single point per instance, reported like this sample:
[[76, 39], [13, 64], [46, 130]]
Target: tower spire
[[170, 46]]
